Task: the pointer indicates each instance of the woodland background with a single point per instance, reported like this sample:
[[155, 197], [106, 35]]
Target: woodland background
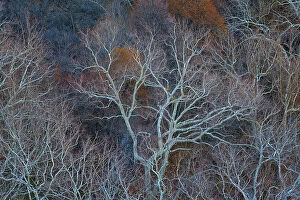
[[149, 99]]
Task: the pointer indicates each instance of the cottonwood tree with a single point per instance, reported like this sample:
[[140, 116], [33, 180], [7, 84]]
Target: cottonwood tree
[[189, 101], [295, 5], [249, 17], [263, 165], [43, 153], [45, 157]]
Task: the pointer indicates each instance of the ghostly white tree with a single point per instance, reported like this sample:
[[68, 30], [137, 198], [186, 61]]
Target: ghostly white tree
[[186, 99]]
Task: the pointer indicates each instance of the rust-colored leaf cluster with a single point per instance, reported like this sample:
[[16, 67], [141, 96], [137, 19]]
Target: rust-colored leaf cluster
[[63, 78], [203, 11], [125, 63], [124, 59]]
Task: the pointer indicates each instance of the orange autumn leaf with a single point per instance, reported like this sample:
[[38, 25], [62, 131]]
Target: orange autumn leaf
[[202, 11], [124, 55], [124, 61]]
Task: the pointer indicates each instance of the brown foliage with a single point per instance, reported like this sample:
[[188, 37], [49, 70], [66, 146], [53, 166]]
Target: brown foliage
[[297, 101], [203, 11], [124, 56], [63, 78], [150, 16], [143, 93], [124, 62]]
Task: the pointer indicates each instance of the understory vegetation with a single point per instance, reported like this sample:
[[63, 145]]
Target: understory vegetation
[[149, 99]]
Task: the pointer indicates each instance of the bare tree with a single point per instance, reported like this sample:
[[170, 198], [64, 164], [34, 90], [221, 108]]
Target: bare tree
[[43, 153], [262, 166], [187, 103], [45, 157]]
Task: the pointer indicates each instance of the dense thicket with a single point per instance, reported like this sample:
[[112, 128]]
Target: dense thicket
[[149, 99]]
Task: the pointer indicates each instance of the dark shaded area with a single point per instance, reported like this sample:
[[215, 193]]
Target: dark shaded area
[[60, 21]]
